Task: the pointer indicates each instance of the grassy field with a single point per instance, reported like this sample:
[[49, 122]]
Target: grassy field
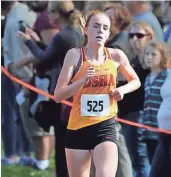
[[22, 171], [18, 171]]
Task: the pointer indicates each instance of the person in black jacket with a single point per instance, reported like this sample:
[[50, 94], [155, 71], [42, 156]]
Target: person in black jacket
[[69, 37], [120, 20], [140, 34]]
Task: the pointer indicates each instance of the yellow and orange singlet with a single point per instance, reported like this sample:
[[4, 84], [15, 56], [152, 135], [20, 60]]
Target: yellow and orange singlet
[[92, 103]]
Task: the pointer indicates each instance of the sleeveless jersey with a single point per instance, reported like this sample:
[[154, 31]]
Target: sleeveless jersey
[[92, 103]]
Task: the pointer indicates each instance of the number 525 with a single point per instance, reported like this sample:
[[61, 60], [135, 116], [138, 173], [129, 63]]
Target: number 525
[[95, 106]]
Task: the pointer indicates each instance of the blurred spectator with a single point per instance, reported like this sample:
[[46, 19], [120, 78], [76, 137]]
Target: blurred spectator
[[43, 25], [166, 10], [94, 5], [167, 33], [14, 137], [55, 50], [139, 36], [13, 10], [37, 6], [141, 11], [79, 4], [43, 140], [155, 59], [120, 20], [64, 13], [166, 16], [157, 104], [169, 45], [3, 22], [156, 8]]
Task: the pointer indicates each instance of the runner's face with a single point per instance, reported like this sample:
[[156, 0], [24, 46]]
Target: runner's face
[[98, 29]]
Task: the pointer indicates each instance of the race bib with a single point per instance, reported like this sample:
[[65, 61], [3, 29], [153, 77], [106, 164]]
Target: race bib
[[95, 105]]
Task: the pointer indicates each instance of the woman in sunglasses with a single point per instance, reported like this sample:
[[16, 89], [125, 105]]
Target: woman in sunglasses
[[140, 34]]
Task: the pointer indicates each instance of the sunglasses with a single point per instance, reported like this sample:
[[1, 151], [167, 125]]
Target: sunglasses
[[138, 35]]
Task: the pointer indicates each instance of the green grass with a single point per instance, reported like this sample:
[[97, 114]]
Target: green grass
[[22, 171], [18, 171]]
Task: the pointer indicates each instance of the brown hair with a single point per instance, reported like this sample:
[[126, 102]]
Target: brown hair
[[122, 17], [163, 49]]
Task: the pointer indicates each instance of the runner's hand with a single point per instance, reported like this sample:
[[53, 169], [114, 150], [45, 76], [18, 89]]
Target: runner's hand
[[90, 72], [117, 93]]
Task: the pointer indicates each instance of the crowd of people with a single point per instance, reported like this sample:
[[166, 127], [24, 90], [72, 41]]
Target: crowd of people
[[110, 59]]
